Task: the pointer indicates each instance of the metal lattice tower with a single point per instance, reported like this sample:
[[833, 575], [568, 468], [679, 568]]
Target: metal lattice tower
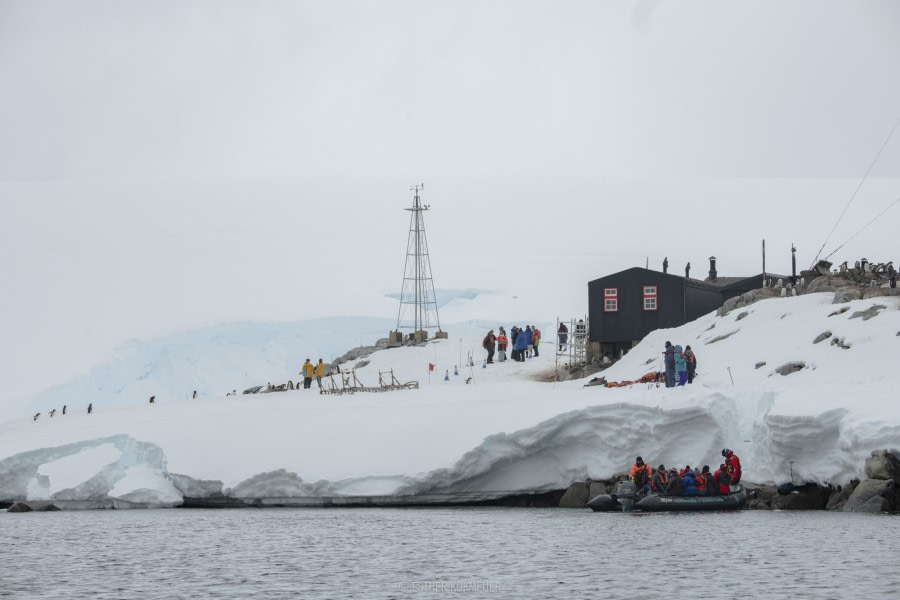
[[418, 307]]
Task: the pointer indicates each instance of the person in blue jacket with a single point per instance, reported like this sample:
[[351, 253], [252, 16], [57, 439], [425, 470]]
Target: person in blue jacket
[[522, 341], [529, 349], [688, 481], [680, 366], [669, 358]]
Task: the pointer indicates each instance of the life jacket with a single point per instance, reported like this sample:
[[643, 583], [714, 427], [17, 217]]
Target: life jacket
[[701, 482], [663, 480], [502, 342], [640, 475]]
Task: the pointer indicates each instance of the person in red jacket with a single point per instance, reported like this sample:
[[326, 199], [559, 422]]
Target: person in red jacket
[[722, 480], [734, 465], [502, 343]]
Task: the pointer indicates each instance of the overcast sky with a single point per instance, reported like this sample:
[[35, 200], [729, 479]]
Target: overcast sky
[[170, 164]]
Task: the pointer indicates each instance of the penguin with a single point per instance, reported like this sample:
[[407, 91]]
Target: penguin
[[64, 409], [90, 408], [36, 417], [52, 412], [152, 399]]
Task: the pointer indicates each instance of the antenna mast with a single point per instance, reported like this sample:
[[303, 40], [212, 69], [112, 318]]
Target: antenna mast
[[417, 296]]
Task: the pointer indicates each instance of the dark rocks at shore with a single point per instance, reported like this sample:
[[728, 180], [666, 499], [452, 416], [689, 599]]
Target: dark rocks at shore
[[576, 496], [580, 493], [840, 496], [872, 496], [32, 506], [881, 492]]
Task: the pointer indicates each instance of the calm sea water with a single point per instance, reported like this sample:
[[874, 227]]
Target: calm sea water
[[464, 552]]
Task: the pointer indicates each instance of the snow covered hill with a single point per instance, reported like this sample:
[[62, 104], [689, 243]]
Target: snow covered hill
[[506, 431]]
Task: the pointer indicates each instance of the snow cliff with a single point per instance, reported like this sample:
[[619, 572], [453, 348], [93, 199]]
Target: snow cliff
[[507, 431]]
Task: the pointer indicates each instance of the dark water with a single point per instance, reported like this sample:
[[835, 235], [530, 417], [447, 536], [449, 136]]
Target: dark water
[[466, 552]]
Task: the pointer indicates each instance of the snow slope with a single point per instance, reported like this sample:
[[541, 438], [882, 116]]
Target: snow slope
[[507, 431]]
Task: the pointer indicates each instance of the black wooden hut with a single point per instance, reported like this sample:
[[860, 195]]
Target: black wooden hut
[[626, 306]]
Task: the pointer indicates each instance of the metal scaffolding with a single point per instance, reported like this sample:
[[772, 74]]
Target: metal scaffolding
[[571, 344], [418, 306]]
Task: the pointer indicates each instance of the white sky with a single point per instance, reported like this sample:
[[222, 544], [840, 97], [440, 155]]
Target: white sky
[[166, 165]]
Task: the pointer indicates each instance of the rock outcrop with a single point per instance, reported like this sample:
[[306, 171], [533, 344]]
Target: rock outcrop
[[872, 496], [576, 496], [745, 299], [883, 465], [32, 506], [807, 497]]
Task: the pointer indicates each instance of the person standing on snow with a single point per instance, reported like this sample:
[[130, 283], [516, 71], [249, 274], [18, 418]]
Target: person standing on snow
[[691, 359], [563, 334], [502, 343], [488, 343], [535, 339], [680, 365], [530, 335], [320, 372], [669, 361], [521, 344], [307, 372]]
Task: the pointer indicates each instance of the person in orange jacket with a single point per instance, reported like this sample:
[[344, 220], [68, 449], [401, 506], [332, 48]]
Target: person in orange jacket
[[502, 343], [640, 474]]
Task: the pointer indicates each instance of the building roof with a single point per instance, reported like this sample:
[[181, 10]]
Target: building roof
[[724, 281]]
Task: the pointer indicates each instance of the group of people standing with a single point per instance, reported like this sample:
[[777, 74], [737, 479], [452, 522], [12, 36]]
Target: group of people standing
[[687, 481], [681, 365], [308, 370], [524, 343]]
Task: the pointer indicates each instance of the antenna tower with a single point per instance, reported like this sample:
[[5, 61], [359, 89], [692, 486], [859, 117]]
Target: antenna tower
[[418, 307]]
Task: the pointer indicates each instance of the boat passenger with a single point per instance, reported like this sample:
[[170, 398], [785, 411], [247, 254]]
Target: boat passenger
[[675, 487], [734, 465], [722, 479], [701, 483], [708, 482], [689, 482], [640, 475], [660, 480]]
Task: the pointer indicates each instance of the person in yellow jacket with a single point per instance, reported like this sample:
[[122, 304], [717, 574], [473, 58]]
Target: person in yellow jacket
[[320, 372], [307, 371]]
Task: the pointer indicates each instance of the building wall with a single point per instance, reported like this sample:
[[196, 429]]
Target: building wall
[[699, 300], [631, 322]]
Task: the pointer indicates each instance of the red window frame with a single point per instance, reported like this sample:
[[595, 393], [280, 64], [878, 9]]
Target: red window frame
[[650, 296], [610, 299]]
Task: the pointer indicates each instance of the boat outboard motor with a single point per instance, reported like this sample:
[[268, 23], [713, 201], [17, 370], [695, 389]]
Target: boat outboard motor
[[626, 492]]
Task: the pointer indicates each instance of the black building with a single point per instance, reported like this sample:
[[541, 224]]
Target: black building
[[626, 306]]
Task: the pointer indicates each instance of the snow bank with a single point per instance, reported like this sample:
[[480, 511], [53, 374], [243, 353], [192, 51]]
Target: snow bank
[[505, 432]]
